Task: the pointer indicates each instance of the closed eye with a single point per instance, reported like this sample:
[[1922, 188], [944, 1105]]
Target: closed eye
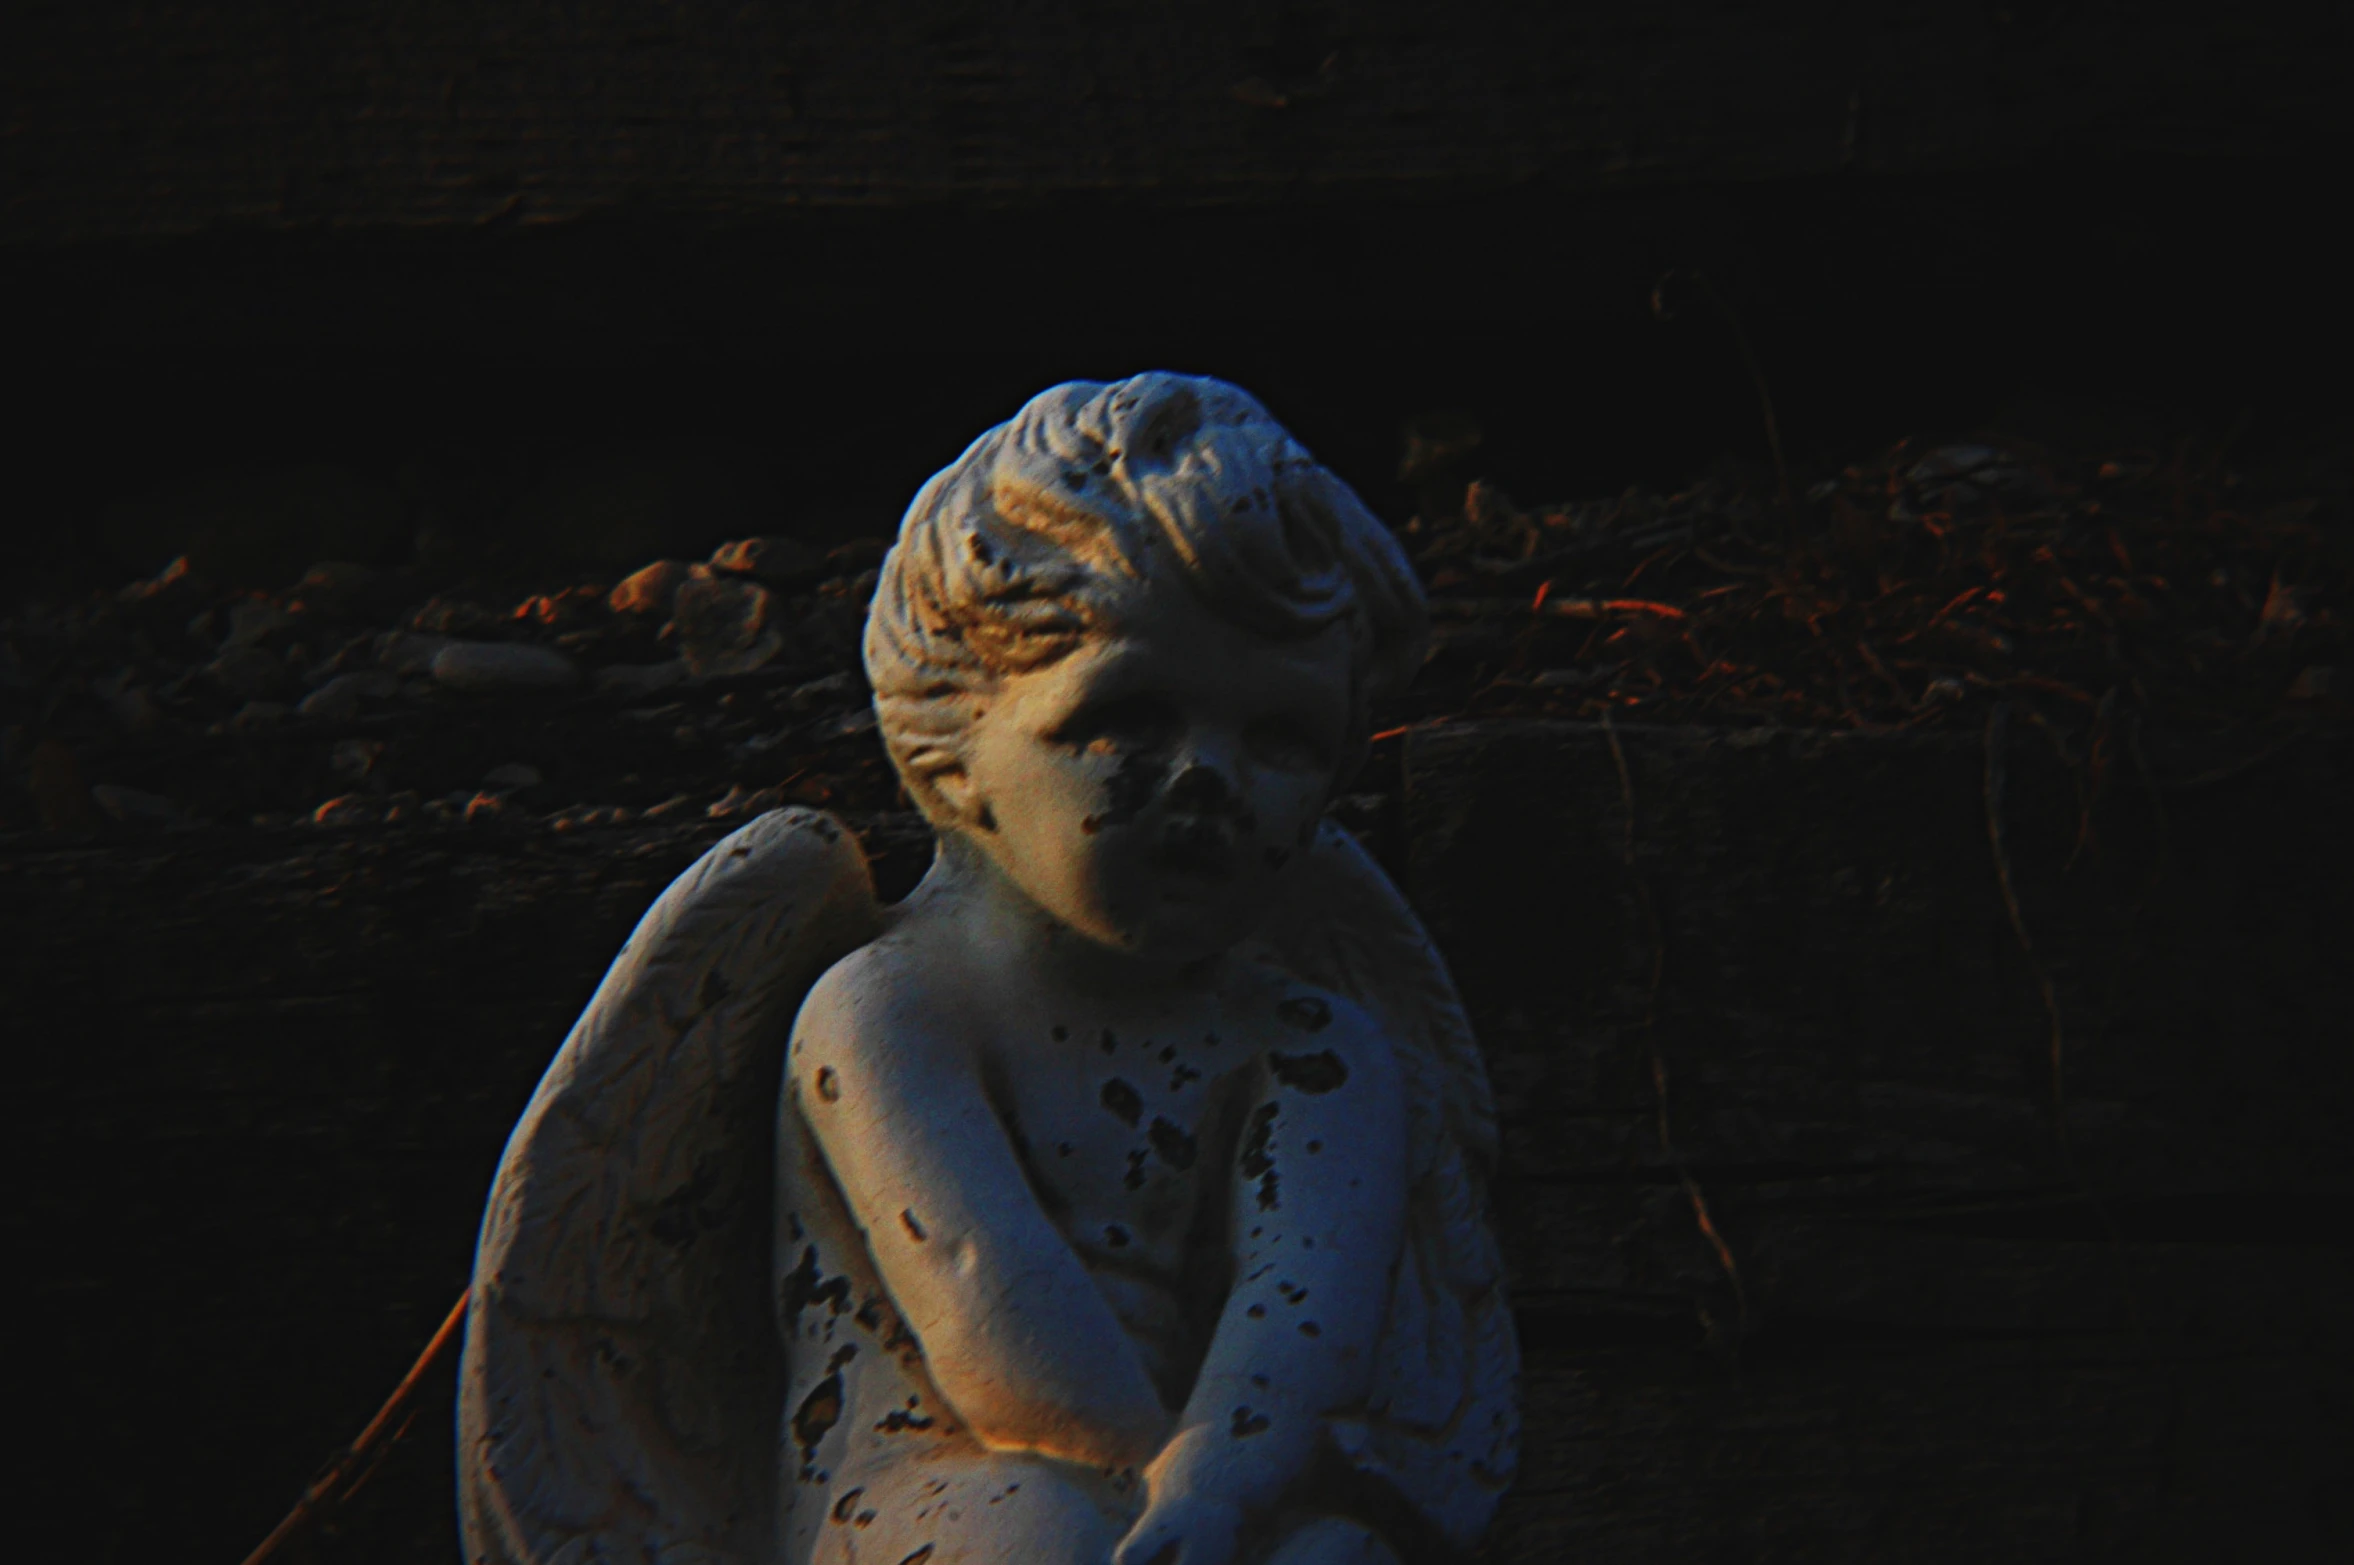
[[1122, 725]]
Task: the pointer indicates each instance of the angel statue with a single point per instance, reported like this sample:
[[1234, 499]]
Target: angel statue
[[1117, 1198]]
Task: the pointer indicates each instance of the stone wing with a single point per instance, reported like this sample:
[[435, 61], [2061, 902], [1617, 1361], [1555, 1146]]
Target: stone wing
[[1443, 1424], [621, 1381]]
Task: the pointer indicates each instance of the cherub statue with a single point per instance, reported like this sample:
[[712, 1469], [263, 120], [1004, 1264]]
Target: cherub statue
[[1119, 1197]]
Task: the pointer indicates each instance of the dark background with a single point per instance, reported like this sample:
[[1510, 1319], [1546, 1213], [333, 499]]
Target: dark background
[[815, 249], [447, 247]]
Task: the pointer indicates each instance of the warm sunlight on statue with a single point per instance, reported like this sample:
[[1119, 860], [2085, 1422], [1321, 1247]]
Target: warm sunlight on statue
[[1120, 1195]]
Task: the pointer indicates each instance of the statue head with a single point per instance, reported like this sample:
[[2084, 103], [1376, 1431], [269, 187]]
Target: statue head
[[1126, 646]]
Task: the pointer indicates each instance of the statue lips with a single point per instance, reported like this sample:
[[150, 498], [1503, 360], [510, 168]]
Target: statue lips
[[1200, 846]]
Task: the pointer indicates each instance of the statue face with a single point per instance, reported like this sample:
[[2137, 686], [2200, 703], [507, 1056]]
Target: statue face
[[1149, 789]]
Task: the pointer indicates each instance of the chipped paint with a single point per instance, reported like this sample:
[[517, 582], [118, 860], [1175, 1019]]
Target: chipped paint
[[1316, 1073], [1307, 1012], [1124, 1101]]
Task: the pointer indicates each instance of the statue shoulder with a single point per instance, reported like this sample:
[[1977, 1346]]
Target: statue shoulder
[[1304, 1029], [894, 1005]]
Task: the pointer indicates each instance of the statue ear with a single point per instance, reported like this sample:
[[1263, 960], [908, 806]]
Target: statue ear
[[956, 800]]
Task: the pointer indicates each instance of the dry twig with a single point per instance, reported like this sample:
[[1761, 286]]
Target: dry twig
[[1650, 1024], [352, 1466]]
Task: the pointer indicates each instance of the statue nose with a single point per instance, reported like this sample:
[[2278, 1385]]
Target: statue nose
[[1201, 788]]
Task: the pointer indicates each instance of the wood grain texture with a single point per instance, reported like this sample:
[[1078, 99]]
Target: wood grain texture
[[137, 120], [1951, 1338]]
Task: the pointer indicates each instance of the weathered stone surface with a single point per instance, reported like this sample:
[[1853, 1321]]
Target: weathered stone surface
[[650, 589], [255, 673], [778, 561], [503, 665], [346, 695], [726, 625]]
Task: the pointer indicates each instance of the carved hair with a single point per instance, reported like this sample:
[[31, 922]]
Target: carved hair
[[1088, 498]]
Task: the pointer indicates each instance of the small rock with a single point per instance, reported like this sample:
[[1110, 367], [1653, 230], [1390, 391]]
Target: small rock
[[456, 617], [582, 816], [340, 576], [741, 800], [2285, 610], [778, 561], [485, 808], [503, 665], [135, 709], [650, 591], [408, 651], [2319, 684], [353, 759], [170, 590], [344, 589], [1965, 481], [513, 776], [404, 806], [252, 621], [848, 725], [340, 698], [723, 626], [668, 807], [574, 606], [630, 680], [833, 689], [252, 673], [53, 776], [133, 808], [349, 809], [256, 715]]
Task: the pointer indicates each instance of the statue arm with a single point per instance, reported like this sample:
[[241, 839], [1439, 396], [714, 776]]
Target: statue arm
[[1318, 1218], [1015, 1333]]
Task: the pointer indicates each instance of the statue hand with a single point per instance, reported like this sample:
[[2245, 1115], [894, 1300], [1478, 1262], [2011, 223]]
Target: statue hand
[[1190, 1527]]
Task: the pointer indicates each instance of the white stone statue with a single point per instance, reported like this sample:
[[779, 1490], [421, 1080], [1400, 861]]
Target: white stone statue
[[1120, 1195]]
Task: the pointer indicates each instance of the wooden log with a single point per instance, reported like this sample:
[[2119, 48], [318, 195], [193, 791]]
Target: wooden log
[[138, 121]]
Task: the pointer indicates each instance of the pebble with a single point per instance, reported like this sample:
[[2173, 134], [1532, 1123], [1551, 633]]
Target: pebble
[[651, 590], [135, 709], [848, 725], [340, 698], [630, 680], [779, 561], [347, 809], [254, 673], [512, 776], [408, 651], [503, 665], [723, 626], [353, 759], [837, 686], [582, 816], [252, 620], [741, 800], [131, 807], [259, 714]]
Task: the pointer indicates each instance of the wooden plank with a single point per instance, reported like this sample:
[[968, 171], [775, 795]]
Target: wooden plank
[[143, 120]]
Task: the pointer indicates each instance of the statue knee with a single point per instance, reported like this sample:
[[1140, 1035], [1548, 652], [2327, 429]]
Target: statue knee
[[991, 1511], [1332, 1540]]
